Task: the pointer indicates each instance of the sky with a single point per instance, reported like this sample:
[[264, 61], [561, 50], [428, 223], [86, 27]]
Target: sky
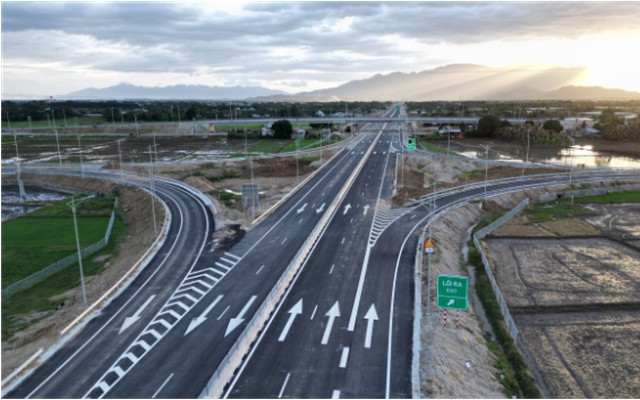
[[54, 48]]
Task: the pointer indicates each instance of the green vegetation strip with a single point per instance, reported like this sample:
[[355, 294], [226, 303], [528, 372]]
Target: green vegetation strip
[[437, 149], [226, 198], [620, 197], [545, 212], [508, 356], [71, 122], [299, 144]]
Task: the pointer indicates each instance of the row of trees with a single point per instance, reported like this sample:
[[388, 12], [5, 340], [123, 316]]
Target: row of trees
[[550, 133]]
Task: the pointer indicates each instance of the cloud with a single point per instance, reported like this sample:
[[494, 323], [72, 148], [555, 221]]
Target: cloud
[[284, 41]]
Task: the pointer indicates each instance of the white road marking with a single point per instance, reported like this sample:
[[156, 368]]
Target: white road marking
[[331, 271], [366, 208], [314, 312], [321, 209], [346, 209], [336, 394], [301, 209], [284, 385], [225, 310], [343, 239], [235, 322], [344, 357], [333, 313], [294, 312], [301, 221], [203, 317], [260, 269], [128, 321], [162, 386], [285, 239], [371, 316]]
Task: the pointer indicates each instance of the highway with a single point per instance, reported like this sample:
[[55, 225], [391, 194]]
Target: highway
[[343, 329], [171, 329]]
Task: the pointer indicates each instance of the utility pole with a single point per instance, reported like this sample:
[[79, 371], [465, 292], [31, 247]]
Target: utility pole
[[48, 121], [528, 131], [179, 113], [30, 129], [113, 118], [153, 192], [80, 152], [448, 140], [135, 118], [75, 224], [55, 130], [23, 195], [120, 159], [121, 116], [64, 114], [486, 171], [573, 142]]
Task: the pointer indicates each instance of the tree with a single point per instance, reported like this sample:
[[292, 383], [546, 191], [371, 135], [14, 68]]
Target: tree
[[488, 125], [553, 125], [282, 129], [607, 120]]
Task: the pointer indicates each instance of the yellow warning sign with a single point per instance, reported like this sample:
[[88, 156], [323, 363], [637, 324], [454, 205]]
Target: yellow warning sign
[[428, 246]]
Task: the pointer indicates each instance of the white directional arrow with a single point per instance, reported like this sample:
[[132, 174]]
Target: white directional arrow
[[333, 313], [295, 310], [371, 316], [235, 322], [346, 208], [366, 208], [203, 317], [135, 317], [321, 209], [301, 209]]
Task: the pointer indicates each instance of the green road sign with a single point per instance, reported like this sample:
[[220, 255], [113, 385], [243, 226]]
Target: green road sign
[[397, 107], [452, 292], [411, 144]]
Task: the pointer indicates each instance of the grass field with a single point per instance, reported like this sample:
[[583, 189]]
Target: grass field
[[301, 143], [59, 123], [269, 146], [621, 197], [38, 239]]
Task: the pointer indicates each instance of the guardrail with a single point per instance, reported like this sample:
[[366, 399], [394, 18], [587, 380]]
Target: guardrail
[[588, 192], [58, 266], [233, 359], [480, 184]]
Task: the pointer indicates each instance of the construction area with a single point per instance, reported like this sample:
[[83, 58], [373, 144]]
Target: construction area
[[571, 278]]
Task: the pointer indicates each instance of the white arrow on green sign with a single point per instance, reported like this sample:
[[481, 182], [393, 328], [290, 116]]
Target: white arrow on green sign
[[452, 292]]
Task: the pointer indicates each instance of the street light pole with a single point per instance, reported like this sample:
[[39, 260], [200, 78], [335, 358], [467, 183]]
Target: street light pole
[[113, 118], [448, 140], [135, 118], [80, 152], [75, 225], [64, 114], [486, 171], [528, 131], [573, 143], [120, 159], [153, 192]]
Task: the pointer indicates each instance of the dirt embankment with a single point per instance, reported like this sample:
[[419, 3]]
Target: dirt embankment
[[135, 206], [275, 178], [456, 363], [420, 174]]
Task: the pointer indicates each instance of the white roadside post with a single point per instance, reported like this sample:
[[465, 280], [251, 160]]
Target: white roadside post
[[75, 224]]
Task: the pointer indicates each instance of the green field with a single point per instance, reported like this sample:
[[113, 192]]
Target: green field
[[268, 146], [36, 240], [620, 197], [437, 149], [42, 237], [59, 123], [300, 144]]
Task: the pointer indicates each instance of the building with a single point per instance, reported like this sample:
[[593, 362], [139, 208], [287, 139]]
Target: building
[[266, 132], [319, 114], [299, 134]]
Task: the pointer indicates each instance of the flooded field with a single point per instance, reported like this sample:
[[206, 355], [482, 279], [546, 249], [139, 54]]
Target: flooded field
[[132, 150], [588, 153], [11, 195]]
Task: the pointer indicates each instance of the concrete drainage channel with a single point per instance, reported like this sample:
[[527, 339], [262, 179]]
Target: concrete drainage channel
[[233, 360]]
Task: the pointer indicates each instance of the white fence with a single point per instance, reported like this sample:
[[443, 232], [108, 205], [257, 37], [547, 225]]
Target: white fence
[[58, 266]]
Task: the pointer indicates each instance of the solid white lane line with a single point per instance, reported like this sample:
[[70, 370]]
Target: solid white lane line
[[284, 385], [344, 357], [259, 270], [285, 239], [225, 310], [161, 386], [314, 312], [335, 394]]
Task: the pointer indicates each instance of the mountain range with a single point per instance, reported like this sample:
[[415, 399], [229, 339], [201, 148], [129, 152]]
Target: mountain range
[[184, 92], [454, 82]]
